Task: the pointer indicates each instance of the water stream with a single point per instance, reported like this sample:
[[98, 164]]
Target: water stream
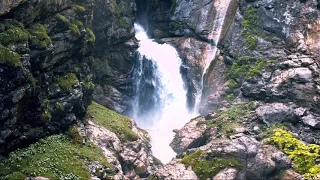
[[160, 103], [214, 36]]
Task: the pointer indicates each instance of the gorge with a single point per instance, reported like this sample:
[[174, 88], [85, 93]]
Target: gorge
[[216, 89]]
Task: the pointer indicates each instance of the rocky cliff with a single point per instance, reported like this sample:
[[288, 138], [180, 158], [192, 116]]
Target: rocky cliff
[[260, 99], [51, 54], [260, 116]]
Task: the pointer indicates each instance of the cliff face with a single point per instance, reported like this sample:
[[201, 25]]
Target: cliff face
[[51, 54], [261, 90], [45, 81], [114, 48]]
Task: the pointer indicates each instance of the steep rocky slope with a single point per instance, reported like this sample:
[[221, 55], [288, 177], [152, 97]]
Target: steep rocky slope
[[51, 54], [260, 116], [106, 145]]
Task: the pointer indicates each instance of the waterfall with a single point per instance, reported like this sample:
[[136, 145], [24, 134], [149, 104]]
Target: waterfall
[[221, 7], [160, 96]]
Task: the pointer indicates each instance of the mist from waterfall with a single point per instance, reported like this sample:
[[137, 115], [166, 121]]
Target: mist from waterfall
[[160, 97]]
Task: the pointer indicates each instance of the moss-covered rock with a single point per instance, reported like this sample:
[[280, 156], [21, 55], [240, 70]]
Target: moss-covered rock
[[206, 167], [13, 34], [9, 58], [91, 36], [68, 81], [225, 120], [40, 38], [250, 66], [113, 121]]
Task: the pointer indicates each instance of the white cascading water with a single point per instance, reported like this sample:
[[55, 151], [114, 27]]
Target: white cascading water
[[160, 89], [221, 7]]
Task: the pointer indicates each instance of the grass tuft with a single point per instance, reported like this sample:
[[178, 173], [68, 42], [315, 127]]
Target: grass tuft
[[117, 123], [206, 167], [54, 157]]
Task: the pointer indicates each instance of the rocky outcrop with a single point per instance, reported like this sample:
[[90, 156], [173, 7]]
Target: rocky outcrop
[[45, 83], [190, 136], [51, 54], [130, 160], [257, 160], [115, 44], [259, 30], [174, 170]]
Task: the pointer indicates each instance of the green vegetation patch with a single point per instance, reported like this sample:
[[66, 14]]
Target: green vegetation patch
[[39, 37], [250, 26], [9, 58], [13, 35], [117, 123], [67, 81], [91, 36], [79, 9], [78, 23], [74, 29], [306, 157], [227, 119], [62, 19], [45, 116], [54, 157], [250, 65], [206, 167]]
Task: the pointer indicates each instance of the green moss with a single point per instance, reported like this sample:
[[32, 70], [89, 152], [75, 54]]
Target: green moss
[[15, 176], [58, 108], [9, 58], [91, 36], [124, 23], [79, 9], [250, 65], [232, 85], [74, 29], [67, 81], [39, 37], [206, 167], [13, 35], [250, 26], [78, 23], [113, 121], [74, 134], [304, 156], [62, 19], [54, 157], [45, 116], [87, 83], [251, 41], [230, 97], [227, 119]]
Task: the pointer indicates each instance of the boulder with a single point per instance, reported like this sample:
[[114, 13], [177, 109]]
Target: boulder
[[312, 121], [175, 170], [275, 113], [226, 174], [190, 136], [130, 159]]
